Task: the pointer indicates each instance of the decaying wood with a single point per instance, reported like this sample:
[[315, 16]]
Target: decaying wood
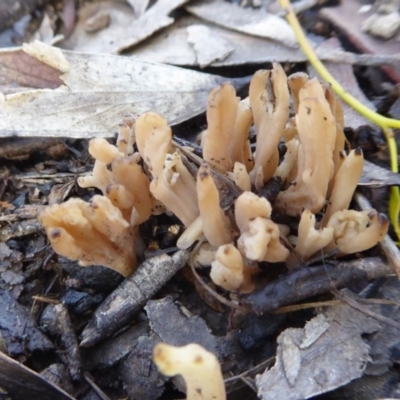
[[306, 282], [18, 330], [131, 295], [56, 320]]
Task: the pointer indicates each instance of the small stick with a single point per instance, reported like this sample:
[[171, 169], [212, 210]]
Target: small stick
[[305, 282], [118, 309]]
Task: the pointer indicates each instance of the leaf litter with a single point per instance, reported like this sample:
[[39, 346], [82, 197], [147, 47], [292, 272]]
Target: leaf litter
[[300, 350], [98, 91], [327, 353]]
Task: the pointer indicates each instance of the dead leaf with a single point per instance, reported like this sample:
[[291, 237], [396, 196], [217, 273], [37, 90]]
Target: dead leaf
[[99, 91], [348, 19], [376, 176], [171, 46], [127, 27], [139, 6], [154, 19], [208, 46], [327, 353], [18, 69], [344, 74], [121, 16], [256, 22]]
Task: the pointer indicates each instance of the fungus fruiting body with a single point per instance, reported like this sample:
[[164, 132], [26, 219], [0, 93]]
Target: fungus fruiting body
[[92, 233], [145, 174], [199, 368]]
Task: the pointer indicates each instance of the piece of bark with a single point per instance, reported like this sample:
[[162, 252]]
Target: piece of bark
[[113, 350], [133, 293], [18, 329], [305, 282], [58, 375], [180, 329], [12, 148], [55, 319], [141, 377], [20, 229], [94, 277]]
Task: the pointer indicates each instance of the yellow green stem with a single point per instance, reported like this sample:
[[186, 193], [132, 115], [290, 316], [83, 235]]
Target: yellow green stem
[[384, 122]]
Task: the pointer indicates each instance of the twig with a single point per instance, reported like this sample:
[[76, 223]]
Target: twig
[[92, 384], [356, 305], [305, 282]]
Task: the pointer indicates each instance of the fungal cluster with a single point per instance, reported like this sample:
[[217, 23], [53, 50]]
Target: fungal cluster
[[146, 174]]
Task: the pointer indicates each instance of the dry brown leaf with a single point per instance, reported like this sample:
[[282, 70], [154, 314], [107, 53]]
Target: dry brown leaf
[[19, 69], [327, 353], [257, 22], [98, 91]]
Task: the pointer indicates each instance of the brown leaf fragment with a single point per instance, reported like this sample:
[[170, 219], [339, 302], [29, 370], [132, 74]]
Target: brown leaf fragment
[[256, 22], [327, 353], [20, 70], [131, 295]]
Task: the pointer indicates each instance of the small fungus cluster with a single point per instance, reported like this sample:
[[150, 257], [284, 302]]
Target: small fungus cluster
[[146, 174]]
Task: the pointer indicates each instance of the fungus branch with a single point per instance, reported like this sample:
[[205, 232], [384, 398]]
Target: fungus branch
[[384, 122]]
